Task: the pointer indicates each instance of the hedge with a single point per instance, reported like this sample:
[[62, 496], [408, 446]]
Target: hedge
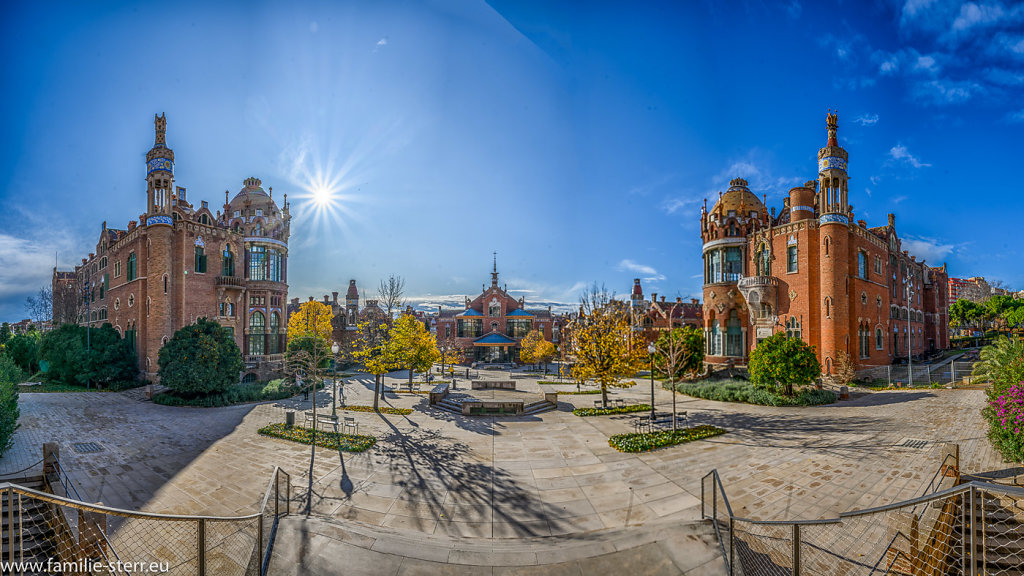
[[324, 439], [612, 410], [645, 442], [743, 391], [382, 409], [237, 394]]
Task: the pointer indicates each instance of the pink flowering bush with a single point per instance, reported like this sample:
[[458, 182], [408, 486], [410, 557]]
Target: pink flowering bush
[[1005, 414]]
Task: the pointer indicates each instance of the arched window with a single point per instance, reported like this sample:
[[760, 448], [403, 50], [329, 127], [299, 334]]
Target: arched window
[[828, 242], [879, 339], [273, 345], [257, 263], [257, 329], [828, 307], [227, 266], [734, 335], [715, 341], [793, 328], [864, 341], [764, 261], [131, 267]]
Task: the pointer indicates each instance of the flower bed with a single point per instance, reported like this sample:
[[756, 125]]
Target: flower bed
[[580, 392], [324, 439], [555, 383], [1005, 416], [645, 442], [735, 390], [382, 409], [612, 410]]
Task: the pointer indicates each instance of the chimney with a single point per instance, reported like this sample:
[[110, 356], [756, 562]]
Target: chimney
[[663, 299], [862, 223], [654, 297], [310, 298], [335, 294], [295, 300], [326, 300], [679, 299], [694, 301]]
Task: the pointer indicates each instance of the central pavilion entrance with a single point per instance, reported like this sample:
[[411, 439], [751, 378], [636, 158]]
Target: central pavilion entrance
[[494, 348]]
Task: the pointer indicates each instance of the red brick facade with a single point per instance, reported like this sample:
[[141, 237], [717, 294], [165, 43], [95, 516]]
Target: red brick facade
[[814, 272], [492, 325], [180, 262], [655, 316]]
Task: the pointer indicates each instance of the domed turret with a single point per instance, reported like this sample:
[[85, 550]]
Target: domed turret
[[738, 199], [253, 212]]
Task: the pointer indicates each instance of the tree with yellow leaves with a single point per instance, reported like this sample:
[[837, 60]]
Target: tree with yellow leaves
[[374, 348], [450, 352], [415, 348], [312, 319], [534, 349], [606, 348]]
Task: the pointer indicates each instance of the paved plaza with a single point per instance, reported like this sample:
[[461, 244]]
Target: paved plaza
[[451, 483]]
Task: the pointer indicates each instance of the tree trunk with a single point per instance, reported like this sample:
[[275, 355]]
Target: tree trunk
[[410, 379], [604, 396], [376, 389]]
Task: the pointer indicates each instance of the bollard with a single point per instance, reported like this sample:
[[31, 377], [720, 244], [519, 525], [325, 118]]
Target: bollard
[[289, 418], [844, 393]]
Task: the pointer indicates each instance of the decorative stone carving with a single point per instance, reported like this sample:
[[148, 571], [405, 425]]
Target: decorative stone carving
[[792, 294], [721, 307]]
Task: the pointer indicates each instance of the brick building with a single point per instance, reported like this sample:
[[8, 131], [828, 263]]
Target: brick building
[[816, 273], [179, 262], [492, 325], [974, 289], [654, 316]]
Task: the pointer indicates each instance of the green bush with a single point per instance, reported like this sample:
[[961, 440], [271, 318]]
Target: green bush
[[324, 439], [612, 410], [1005, 415], [10, 376], [747, 392], [77, 356], [238, 394], [201, 359], [572, 392], [24, 350], [780, 364], [645, 442]]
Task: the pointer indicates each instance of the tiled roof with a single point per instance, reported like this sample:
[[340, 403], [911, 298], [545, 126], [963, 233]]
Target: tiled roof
[[519, 312], [470, 312], [494, 338]]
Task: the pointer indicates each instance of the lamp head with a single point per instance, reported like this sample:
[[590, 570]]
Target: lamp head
[[651, 349]]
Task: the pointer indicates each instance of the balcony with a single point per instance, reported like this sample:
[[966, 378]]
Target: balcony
[[758, 282], [231, 281], [759, 292]]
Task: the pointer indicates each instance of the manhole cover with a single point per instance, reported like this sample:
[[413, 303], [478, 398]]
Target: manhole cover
[[912, 443], [86, 447]]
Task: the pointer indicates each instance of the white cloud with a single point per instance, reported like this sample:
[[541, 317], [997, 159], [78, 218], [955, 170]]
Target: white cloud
[[899, 152], [972, 14], [898, 199], [946, 91], [679, 203], [928, 249], [866, 119], [649, 273], [1015, 117], [868, 192], [382, 42]]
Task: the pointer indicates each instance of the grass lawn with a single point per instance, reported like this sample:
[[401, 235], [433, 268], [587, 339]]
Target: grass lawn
[[647, 441]]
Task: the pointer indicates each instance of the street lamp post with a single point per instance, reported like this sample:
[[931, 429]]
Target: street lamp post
[[334, 380], [650, 350]]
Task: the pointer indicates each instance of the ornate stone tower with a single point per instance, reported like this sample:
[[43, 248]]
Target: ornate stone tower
[[351, 306], [161, 278], [159, 172], [833, 223]]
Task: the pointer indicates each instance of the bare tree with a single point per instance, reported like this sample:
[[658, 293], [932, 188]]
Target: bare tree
[[40, 306], [390, 295]]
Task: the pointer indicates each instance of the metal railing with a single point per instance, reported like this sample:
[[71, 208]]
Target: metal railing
[[973, 528], [47, 527]]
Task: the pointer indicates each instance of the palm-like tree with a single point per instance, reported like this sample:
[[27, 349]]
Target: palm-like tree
[[1002, 363]]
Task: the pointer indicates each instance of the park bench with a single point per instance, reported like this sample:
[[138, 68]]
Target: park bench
[[321, 418]]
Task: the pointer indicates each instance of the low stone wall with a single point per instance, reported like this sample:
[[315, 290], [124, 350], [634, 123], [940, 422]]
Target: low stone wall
[[550, 393], [482, 407], [437, 393], [493, 384]]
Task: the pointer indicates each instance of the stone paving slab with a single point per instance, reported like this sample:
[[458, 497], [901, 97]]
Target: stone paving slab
[[495, 478]]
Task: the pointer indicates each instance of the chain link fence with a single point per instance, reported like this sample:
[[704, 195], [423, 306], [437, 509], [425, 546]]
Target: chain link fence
[[973, 528], [44, 532]]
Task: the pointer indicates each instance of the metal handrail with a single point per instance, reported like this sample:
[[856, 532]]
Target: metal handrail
[[966, 488]]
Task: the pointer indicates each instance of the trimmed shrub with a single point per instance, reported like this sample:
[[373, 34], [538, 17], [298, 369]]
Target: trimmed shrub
[[780, 364], [200, 359], [746, 392], [324, 438], [382, 409], [645, 442], [239, 394], [612, 410]]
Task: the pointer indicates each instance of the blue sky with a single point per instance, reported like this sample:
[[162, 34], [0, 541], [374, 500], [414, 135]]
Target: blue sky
[[577, 140]]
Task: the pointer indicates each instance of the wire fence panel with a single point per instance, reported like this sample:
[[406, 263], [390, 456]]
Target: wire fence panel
[[763, 549], [1002, 533]]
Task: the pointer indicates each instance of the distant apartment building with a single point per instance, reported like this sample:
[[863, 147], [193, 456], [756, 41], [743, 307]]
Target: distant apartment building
[[974, 289]]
